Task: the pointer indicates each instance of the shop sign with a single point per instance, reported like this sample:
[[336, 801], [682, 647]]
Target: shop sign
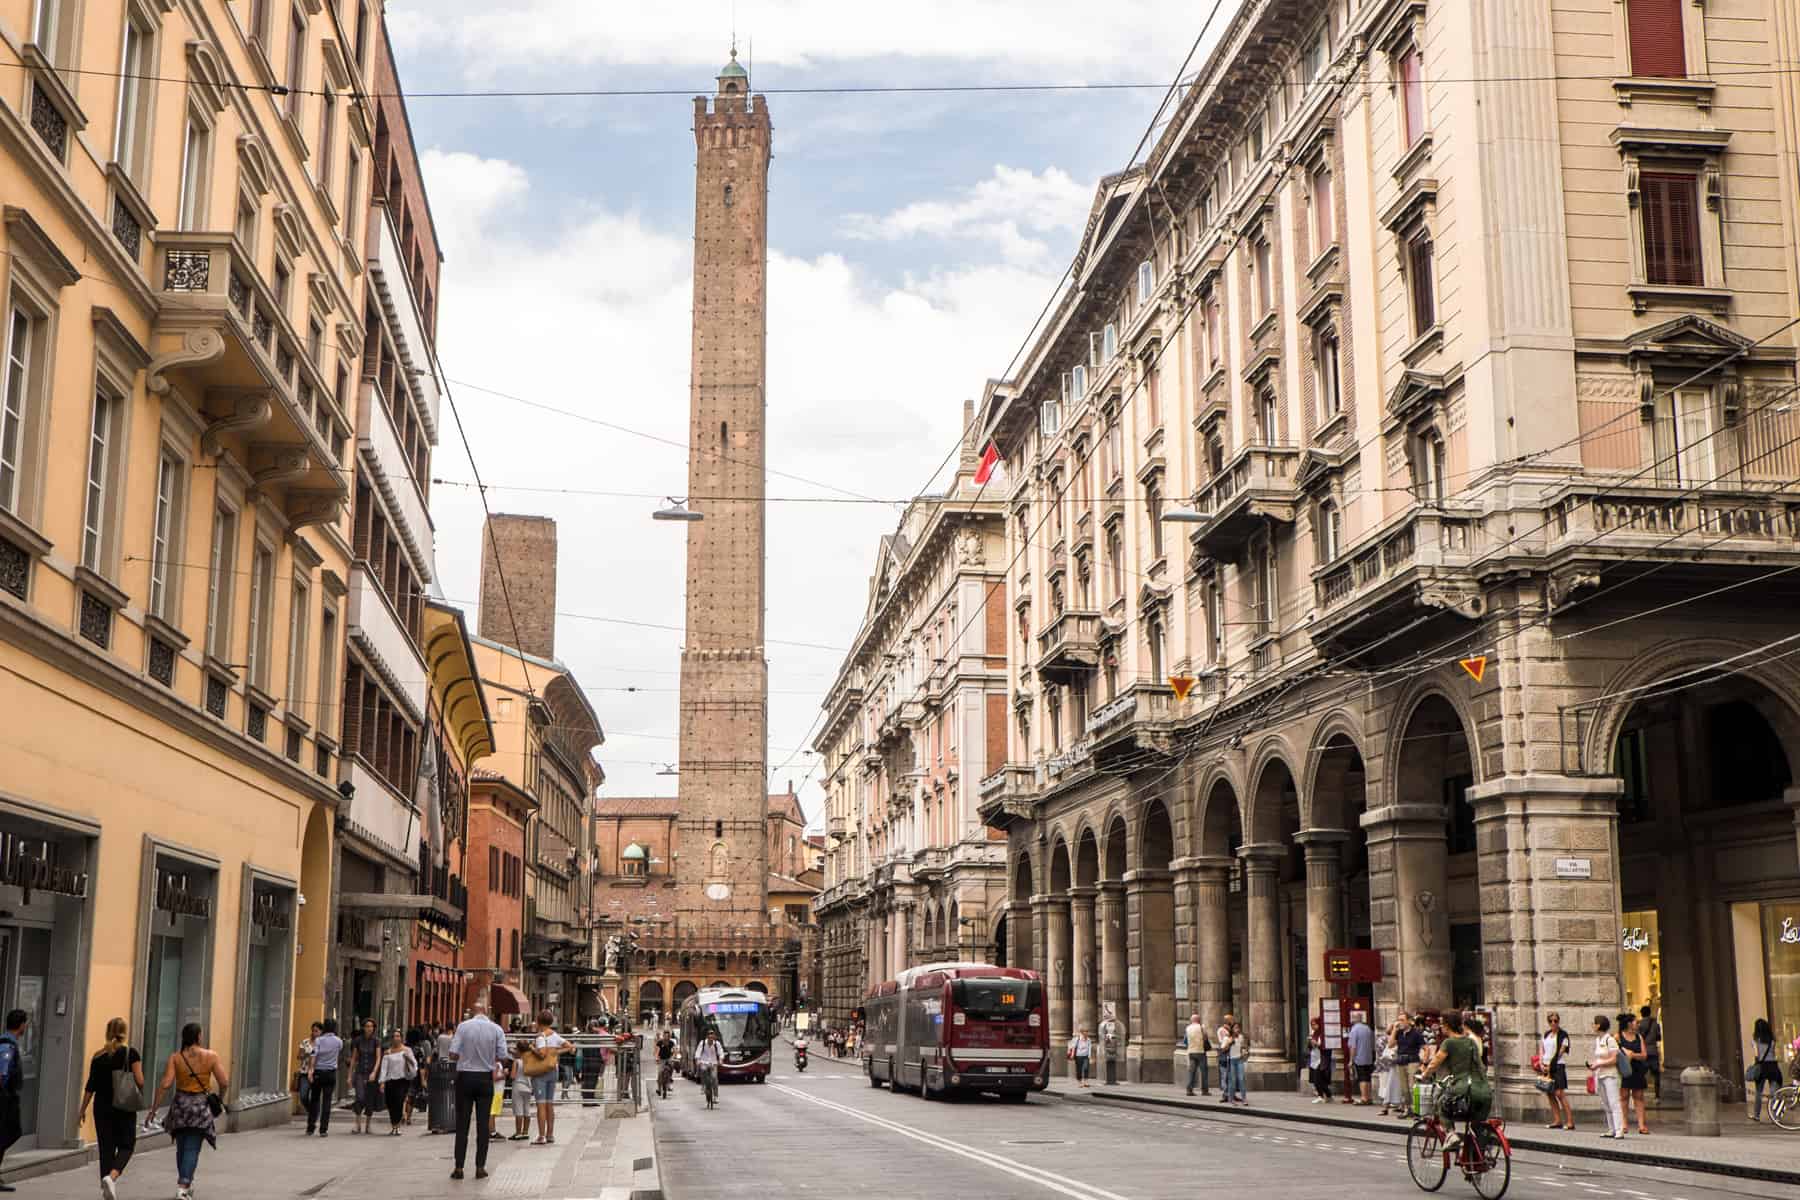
[[1790, 934], [1635, 939], [173, 897], [36, 872], [1574, 868], [268, 912]]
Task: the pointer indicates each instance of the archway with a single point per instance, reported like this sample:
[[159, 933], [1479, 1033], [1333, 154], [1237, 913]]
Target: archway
[[683, 990], [1275, 916], [1337, 864], [757, 985], [313, 935], [1150, 896], [1059, 938], [1021, 949], [1709, 876], [1218, 904], [1109, 917], [650, 1000], [1429, 837], [1085, 933]]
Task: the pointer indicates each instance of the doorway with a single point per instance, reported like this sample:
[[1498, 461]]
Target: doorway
[[24, 974]]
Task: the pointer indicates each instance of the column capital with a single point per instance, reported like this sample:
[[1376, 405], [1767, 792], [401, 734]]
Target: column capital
[[1146, 876], [1397, 822], [1261, 855], [1322, 837], [1084, 894], [1111, 887], [1546, 794], [1044, 901]]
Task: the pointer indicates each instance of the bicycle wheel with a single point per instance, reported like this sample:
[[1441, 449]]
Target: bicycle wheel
[[1426, 1161], [1784, 1107], [1495, 1173]]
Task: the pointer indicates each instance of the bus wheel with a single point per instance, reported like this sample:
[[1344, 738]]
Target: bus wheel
[[873, 1082]]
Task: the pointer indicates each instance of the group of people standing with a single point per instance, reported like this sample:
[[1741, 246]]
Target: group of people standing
[[842, 1041]]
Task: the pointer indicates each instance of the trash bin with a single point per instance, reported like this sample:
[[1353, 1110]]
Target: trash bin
[[1700, 1101], [440, 1083]]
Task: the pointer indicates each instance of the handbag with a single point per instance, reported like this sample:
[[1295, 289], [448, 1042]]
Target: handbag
[[1543, 1085], [1593, 1088], [538, 1062], [127, 1096]]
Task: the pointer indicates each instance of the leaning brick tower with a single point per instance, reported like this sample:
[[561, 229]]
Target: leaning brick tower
[[722, 873]]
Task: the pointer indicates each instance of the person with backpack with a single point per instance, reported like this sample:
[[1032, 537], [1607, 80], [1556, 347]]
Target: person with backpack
[[193, 1105], [115, 1088], [12, 1082]]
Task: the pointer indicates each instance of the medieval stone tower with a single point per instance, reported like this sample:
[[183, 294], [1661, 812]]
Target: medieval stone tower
[[722, 873]]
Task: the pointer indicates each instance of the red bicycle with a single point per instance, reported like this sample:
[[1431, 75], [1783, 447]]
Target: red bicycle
[[1484, 1155]]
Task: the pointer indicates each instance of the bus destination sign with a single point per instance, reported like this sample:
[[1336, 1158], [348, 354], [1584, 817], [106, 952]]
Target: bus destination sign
[[739, 1006]]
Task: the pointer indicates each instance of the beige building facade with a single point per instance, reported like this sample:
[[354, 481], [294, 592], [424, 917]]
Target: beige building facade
[[916, 717], [1441, 331]]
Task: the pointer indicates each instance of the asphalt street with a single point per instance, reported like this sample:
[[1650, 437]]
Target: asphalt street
[[828, 1133]]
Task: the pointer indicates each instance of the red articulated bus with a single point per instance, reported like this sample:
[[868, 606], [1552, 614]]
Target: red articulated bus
[[958, 1027]]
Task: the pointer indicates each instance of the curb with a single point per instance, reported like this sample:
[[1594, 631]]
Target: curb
[[634, 1173], [1611, 1154]]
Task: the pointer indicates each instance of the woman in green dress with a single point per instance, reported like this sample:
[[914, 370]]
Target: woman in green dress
[[1464, 1080]]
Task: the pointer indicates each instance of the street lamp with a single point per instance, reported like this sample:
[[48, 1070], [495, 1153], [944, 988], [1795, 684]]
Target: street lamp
[[677, 511], [1185, 516]]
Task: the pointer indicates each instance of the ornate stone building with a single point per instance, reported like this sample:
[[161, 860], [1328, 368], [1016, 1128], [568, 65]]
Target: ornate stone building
[[1450, 331], [916, 716]]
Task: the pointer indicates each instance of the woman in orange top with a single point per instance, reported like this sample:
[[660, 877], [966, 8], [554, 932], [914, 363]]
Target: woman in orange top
[[191, 1070]]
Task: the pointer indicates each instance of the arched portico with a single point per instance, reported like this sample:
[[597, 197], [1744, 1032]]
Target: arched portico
[[1150, 902]]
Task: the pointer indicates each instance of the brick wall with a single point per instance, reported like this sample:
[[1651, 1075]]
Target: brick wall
[[527, 554]]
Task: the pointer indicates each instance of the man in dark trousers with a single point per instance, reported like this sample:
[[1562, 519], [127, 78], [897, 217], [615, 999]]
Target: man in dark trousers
[[12, 1079], [477, 1050]]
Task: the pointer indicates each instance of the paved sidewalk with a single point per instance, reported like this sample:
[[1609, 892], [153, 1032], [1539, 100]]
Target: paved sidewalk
[[283, 1163], [1743, 1149]]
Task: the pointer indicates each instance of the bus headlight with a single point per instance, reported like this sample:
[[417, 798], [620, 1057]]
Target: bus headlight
[[1036, 1020], [960, 1019]]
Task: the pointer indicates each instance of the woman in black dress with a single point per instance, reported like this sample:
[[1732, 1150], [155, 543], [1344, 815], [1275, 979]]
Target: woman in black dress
[[1634, 1074], [115, 1128]]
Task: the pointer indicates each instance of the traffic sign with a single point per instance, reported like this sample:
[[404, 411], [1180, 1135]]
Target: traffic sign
[[1183, 684], [1476, 666]]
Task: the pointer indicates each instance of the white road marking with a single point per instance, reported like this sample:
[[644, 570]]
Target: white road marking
[[1048, 1179]]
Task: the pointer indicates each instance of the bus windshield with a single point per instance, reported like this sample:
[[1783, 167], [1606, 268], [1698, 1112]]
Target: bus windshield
[[997, 999], [740, 1023]]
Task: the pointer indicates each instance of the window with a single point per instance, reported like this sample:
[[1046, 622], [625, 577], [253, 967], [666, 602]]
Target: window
[[245, 226], [1154, 637], [327, 128], [1215, 318], [328, 625], [1655, 36], [352, 169], [1419, 282], [315, 340], [1428, 467], [15, 404], [494, 881], [130, 140], [102, 469], [219, 583], [299, 619], [1115, 450], [1153, 505], [1153, 395], [196, 149], [1115, 564], [1262, 268], [1215, 454], [1412, 96], [262, 599], [1671, 207], [296, 63], [1253, 144], [259, 20], [1324, 216], [1316, 55], [1268, 416], [1146, 280], [1330, 530], [1109, 342], [1262, 587], [1325, 376], [52, 30], [165, 533], [1684, 437], [1078, 383], [284, 279], [1049, 418], [362, 33], [1215, 621]]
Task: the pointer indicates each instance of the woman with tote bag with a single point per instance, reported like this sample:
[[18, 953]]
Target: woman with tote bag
[[115, 1088]]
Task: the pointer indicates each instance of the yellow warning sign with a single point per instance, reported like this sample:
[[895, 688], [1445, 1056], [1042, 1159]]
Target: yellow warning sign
[[1476, 666], [1183, 684]]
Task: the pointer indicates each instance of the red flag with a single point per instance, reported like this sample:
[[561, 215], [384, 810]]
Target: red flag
[[990, 458]]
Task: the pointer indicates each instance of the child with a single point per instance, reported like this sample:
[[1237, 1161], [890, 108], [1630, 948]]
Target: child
[[521, 1093]]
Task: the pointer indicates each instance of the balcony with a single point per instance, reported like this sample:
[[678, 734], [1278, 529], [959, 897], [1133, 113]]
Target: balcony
[[380, 814], [380, 443], [1070, 644], [1255, 487], [1006, 796], [383, 639], [389, 272], [1421, 562], [220, 333], [1141, 718], [1590, 522]]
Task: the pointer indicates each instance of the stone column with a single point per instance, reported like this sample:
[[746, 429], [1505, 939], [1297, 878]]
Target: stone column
[[1212, 927], [1410, 914], [1187, 945], [1324, 908], [1084, 967], [1112, 948], [1018, 934], [1060, 975], [1262, 972], [1040, 942], [1150, 897]]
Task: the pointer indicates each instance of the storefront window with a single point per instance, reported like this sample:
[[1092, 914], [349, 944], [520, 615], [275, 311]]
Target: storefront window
[[180, 947], [1640, 952], [269, 934], [1781, 953]]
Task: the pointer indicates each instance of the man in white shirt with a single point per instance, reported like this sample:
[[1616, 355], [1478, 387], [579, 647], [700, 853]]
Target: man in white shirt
[[708, 1056], [1112, 1045], [1196, 1049], [477, 1048]]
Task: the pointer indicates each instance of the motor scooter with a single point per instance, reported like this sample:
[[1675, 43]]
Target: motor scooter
[[800, 1055]]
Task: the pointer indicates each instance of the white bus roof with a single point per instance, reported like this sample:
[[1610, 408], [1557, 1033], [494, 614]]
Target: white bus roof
[[906, 977]]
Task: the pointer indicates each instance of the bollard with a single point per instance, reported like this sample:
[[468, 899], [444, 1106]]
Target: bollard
[[1700, 1101]]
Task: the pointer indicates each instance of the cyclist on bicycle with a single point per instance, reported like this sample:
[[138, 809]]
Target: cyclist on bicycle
[[1465, 1093], [707, 1057], [665, 1062]]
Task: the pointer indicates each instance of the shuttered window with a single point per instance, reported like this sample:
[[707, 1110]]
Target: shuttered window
[[1654, 29], [1671, 228], [1412, 95]]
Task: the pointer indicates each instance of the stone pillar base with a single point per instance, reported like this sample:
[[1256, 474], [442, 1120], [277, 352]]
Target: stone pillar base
[[1271, 1075], [1150, 1062]]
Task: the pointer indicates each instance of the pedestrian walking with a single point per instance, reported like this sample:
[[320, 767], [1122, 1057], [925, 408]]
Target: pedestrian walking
[[1763, 1071], [1604, 1066], [328, 1050], [12, 1083], [477, 1049], [1554, 1068], [1409, 1049], [1361, 1049], [1081, 1053], [393, 1076], [590, 1062], [115, 1089], [1112, 1046], [1650, 1029], [303, 1060], [1236, 1049], [191, 1071], [1318, 1064], [1632, 1080], [543, 1063], [365, 1094], [1198, 1044], [518, 1086]]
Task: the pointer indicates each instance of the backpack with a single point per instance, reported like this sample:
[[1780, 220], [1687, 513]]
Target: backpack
[[9, 1065]]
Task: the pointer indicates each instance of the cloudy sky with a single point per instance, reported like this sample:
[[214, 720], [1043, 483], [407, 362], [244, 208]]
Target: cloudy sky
[[913, 237]]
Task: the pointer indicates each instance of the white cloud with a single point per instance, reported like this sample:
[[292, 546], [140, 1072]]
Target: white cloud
[[1005, 210], [490, 39], [866, 385]]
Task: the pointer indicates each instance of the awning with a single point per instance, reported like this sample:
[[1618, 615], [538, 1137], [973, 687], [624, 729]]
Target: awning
[[504, 1000]]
